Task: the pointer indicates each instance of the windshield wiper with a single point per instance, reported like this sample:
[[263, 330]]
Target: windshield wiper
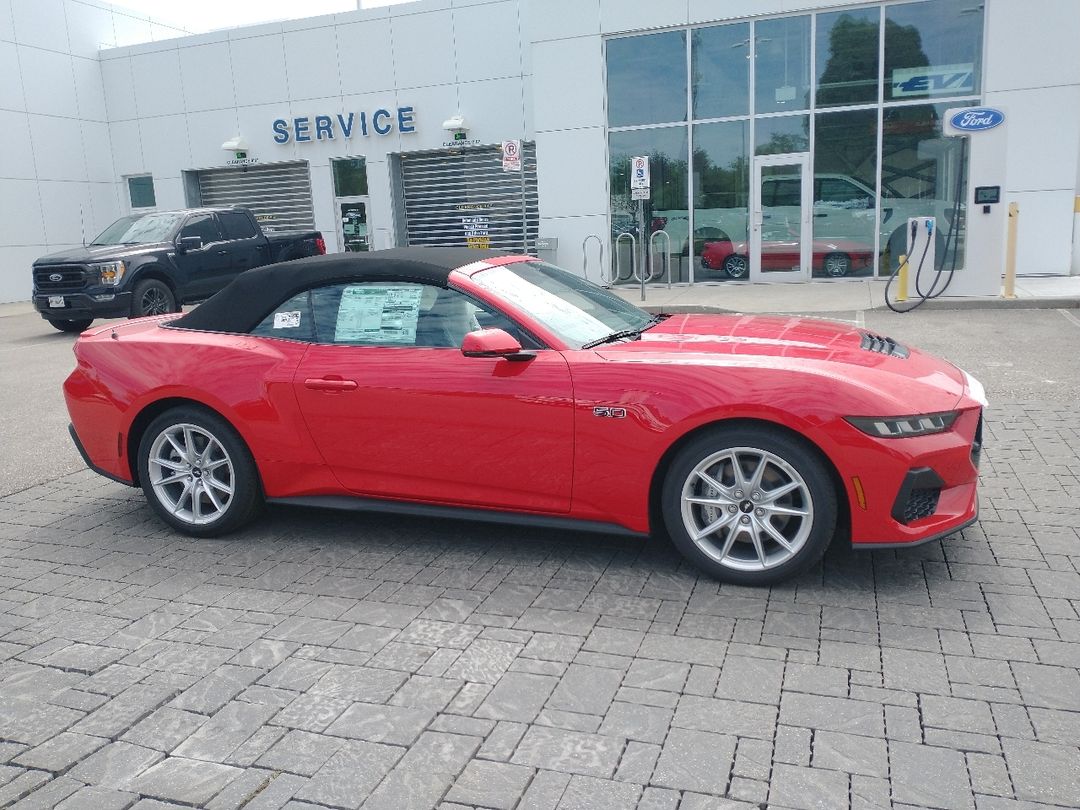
[[624, 333]]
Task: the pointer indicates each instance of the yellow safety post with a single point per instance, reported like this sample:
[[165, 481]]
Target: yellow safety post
[[901, 292], [1010, 253]]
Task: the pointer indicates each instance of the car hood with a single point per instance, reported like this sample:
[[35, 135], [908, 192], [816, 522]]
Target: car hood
[[100, 253], [824, 348]]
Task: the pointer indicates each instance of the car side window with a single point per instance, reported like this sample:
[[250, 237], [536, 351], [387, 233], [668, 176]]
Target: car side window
[[204, 226], [237, 225], [292, 320]]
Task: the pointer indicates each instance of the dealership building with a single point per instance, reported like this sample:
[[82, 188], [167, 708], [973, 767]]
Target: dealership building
[[786, 140]]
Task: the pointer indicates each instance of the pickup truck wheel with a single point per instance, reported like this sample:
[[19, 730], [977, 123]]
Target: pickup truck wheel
[[152, 297], [76, 326], [197, 473]]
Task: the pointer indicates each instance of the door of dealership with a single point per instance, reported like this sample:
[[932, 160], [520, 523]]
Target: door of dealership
[[780, 224]]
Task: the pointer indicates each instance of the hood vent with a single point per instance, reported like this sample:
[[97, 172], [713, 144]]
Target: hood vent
[[883, 345]]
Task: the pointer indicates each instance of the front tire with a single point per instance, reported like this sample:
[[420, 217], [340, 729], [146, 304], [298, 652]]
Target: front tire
[[749, 505], [76, 326], [152, 297], [197, 473], [736, 266], [837, 265]]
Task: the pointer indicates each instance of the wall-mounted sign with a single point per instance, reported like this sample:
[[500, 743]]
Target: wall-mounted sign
[[511, 156], [977, 119], [943, 80], [305, 128], [476, 232], [242, 161], [461, 143]]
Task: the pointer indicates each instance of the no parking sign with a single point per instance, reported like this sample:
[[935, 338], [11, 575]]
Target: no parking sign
[[639, 177], [511, 156]]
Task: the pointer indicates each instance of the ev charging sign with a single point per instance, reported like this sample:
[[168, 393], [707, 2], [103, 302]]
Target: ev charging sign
[[639, 178]]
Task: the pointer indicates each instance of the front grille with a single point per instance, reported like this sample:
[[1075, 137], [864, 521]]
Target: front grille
[[883, 345], [72, 277], [921, 503]]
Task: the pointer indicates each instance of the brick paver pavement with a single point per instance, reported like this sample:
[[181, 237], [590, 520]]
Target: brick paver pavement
[[339, 660]]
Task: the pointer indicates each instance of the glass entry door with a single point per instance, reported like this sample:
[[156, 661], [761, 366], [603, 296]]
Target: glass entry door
[[780, 232], [353, 224]]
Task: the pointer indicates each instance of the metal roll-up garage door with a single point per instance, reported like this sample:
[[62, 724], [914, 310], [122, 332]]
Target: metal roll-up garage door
[[278, 193], [463, 198]]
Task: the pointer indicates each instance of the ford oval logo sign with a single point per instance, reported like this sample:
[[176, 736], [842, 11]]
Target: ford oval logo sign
[[977, 119], [55, 277]]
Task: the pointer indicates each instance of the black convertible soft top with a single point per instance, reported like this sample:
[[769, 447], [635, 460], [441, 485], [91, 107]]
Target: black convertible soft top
[[245, 302]]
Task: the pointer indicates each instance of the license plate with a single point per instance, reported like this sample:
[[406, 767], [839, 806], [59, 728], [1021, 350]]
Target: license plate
[[56, 300]]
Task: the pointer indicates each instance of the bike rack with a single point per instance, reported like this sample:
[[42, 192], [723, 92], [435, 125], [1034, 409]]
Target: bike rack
[[585, 259], [667, 243], [618, 257]]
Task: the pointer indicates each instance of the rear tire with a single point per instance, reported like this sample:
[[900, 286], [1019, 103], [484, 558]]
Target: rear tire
[[152, 297], [197, 473], [744, 523], [736, 266], [76, 326], [837, 265]]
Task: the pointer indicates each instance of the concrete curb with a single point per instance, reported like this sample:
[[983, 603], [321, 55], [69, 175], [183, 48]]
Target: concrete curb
[[936, 304]]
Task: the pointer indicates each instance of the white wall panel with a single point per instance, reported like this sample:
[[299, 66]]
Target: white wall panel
[[67, 205], [7, 27], [89, 91], [20, 213], [206, 132], [126, 148], [58, 149], [568, 84], [206, 75], [157, 83], [11, 90], [256, 125], [259, 70], [104, 206], [497, 108], [632, 15], [165, 145], [40, 23], [90, 28], [1018, 32], [98, 152], [169, 193], [365, 57], [311, 63], [1040, 157], [486, 41], [119, 89], [423, 49], [571, 232], [48, 82], [322, 195], [15, 276], [571, 171], [16, 156], [1044, 231], [559, 19]]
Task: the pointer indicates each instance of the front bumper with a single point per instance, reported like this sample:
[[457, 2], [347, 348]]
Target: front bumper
[[80, 305]]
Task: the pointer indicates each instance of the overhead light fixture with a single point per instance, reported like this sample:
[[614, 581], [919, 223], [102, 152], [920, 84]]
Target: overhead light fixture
[[237, 143], [455, 122]]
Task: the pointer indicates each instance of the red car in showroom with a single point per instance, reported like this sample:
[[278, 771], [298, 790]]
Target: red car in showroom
[[834, 258], [443, 382]]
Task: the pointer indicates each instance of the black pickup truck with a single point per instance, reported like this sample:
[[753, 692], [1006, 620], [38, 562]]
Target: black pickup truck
[[150, 264]]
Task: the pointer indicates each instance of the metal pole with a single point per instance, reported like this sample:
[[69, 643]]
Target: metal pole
[[1010, 252]]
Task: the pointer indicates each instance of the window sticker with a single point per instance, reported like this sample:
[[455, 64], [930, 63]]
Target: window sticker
[[287, 320], [378, 313]]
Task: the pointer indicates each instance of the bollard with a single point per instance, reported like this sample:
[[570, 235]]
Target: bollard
[[901, 292], [1010, 253]]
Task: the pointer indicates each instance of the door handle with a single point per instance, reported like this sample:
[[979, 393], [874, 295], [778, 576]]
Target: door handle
[[223, 253], [325, 384]]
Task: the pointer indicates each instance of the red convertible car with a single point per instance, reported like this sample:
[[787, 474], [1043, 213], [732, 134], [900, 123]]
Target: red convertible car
[[455, 382], [834, 258]]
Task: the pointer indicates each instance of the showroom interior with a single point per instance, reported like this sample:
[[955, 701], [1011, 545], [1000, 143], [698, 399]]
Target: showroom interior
[[792, 144]]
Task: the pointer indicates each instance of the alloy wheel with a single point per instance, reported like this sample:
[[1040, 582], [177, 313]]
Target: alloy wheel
[[155, 302], [747, 509], [191, 474]]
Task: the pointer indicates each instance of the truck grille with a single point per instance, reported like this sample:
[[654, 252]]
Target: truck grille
[[71, 278]]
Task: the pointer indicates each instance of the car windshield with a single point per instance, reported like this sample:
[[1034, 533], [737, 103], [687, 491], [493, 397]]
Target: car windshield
[[576, 310], [139, 229]]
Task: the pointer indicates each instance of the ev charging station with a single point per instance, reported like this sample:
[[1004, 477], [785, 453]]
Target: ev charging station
[[984, 231]]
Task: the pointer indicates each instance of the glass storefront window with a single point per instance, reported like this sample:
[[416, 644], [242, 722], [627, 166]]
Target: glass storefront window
[[721, 196], [845, 191], [923, 174], [781, 135], [720, 70], [847, 57], [646, 79], [782, 65], [933, 49], [666, 209], [350, 177]]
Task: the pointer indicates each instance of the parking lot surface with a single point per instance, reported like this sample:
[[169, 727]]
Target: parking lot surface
[[343, 660]]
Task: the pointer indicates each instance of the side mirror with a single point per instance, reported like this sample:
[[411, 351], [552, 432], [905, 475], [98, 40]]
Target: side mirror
[[188, 243], [493, 343]]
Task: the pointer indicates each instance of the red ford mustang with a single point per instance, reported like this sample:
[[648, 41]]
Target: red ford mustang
[[447, 381], [830, 257]]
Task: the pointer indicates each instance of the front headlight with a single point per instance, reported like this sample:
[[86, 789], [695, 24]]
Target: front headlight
[[904, 427], [111, 272]]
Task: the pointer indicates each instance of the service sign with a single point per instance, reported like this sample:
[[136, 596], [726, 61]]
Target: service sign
[[976, 119]]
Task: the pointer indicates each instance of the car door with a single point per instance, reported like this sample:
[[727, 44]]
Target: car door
[[397, 410], [245, 245], [202, 266]]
